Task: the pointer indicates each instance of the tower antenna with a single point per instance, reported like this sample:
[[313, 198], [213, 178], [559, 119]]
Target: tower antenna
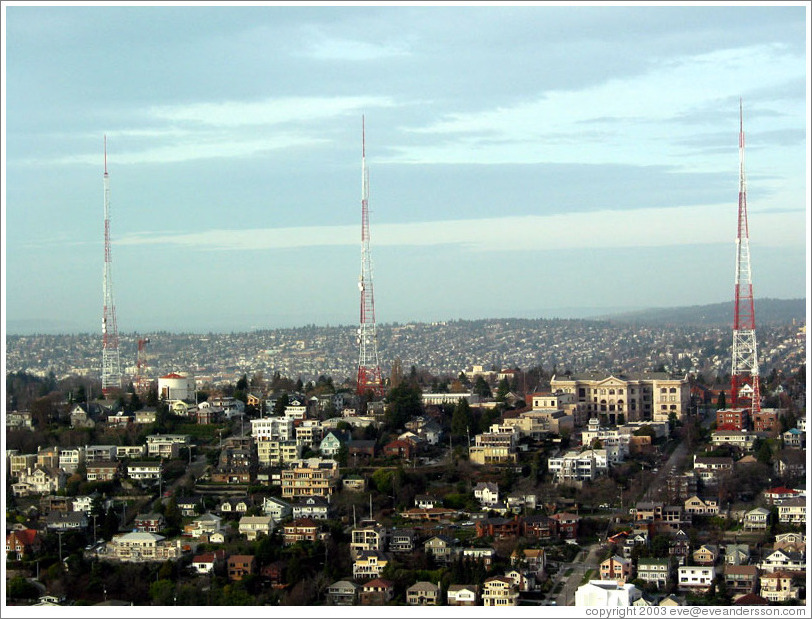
[[744, 379], [369, 370], [111, 364]]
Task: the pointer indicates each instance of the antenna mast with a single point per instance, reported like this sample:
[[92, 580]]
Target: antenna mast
[[369, 370], [744, 382], [111, 364]]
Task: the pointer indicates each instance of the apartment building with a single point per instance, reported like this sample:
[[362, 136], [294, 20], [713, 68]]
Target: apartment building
[[311, 477]]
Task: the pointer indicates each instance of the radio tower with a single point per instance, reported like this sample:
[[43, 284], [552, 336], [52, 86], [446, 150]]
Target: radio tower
[[111, 366], [369, 371], [744, 387]]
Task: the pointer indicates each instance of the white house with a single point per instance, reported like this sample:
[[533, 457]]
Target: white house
[[607, 593], [487, 493], [695, 577], [253, 526]]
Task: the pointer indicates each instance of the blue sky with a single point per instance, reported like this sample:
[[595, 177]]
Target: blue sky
[[529, 161]]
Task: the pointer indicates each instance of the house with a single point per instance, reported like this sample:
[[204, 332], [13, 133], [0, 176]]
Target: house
[[524, 580], [697, 578], [616, 568], [702, 507], [607, 593], [237, 506], [780, 586], [41, 480], [538, 526], [368, 535], [144, 470], [710, 469], [741, 579], [22, 542], [794, 438], [204, 563], [140, 547], [62, 521], [679, 546], [462, 595], [369, 564], [240, 566], [750, 599], [189, 506], [342, 593], [331, 444], [402, 540], [498, 528], [103, 471], [566, 525], [426, 501], [790, 463], [779, 494], [361, 450], [756, 519], [79, 417], [146, 416], [254, 526], [441, 547], [654, 570], [300, 530], [354, 483], [311, 507], [499, 591], [276, 508], [737, 554], [82, 504], [481, 555], [781, 559], [400, 448], [377, 592], [204, 525], [274, 574], [534, 559], [706, 554], [423, 594], [517, 502], [312, 477], [792, 511], [486, 493], [151, 523], [790, 541]]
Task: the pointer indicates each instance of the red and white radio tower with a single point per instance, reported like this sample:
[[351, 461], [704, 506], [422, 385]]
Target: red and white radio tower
[[111, 365], [744, 387], [369, 371]]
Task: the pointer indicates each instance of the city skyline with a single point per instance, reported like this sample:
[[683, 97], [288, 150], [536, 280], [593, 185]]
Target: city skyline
[[525, 161]]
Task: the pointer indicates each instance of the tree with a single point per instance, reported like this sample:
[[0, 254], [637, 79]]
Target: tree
[[720, 401], [461, 419], [502, 390], [405, 402], [281, 404], [481, 387]]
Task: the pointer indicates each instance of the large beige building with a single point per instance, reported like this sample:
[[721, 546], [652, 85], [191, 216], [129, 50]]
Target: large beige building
[[311, 477], [617, 399]]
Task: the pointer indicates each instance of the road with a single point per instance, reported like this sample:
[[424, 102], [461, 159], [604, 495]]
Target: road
[[586, 560]]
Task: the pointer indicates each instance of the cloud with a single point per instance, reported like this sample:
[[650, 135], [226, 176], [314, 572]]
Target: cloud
[[637, 115], [275, 111], [656, 227], [335, 49]]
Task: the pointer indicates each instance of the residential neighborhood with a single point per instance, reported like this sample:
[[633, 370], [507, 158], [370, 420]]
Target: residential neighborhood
[[631, 488]]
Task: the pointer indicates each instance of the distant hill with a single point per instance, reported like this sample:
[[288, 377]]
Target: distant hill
[[767, 311]]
